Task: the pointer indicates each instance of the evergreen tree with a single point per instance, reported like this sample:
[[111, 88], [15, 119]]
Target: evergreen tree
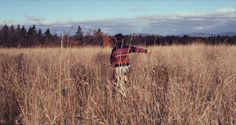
[[48, 36], [17, 43], [79, 35], [5, 36], [40, 37], [12, 37], [23, 37], [99, 36], [47, 33], [32, 36]]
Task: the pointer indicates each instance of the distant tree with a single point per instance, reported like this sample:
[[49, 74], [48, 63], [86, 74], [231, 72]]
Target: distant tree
[[56, 40], [18, 28], [40, 37], [99, 36], [48, 36], [79, 36], [47, 33], [5, 36], [40, 34], [17, 36], [32, 36], [23, 37], [12, 37]]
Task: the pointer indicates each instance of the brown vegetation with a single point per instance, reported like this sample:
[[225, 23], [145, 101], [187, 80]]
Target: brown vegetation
[[192, 84]]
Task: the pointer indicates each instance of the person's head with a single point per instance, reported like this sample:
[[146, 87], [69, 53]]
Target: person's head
[[118, 39]]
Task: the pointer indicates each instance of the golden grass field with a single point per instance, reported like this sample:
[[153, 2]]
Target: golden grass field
[[175, 85]]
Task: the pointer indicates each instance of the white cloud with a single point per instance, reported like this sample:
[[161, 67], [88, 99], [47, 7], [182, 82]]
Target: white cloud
[[222, 20], [188, 14], [8, 22], [227, 10], [28, 19]]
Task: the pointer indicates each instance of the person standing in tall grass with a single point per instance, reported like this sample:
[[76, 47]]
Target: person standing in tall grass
[[119, 59]]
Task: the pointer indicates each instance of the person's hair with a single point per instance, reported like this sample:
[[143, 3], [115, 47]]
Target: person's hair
[[118, 39]]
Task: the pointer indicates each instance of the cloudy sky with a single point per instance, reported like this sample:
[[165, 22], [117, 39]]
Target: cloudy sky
[[126, 16]]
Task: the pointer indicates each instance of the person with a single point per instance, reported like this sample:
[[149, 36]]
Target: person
[[119, 59]]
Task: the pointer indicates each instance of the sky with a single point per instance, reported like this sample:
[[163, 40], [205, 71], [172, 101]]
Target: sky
[[126, 16]]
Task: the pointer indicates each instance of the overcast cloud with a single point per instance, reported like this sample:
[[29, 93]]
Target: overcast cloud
[[222, 20]]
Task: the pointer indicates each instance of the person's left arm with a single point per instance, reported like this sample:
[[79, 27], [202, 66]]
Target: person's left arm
[[137, 50]]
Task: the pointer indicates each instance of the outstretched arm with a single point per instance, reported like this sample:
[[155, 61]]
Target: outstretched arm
[[137, 50]]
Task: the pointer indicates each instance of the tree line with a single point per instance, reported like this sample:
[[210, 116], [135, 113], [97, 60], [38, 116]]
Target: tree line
[[19, 36]]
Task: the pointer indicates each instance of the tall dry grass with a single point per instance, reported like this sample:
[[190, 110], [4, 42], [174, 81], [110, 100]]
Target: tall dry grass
[[192, 84]]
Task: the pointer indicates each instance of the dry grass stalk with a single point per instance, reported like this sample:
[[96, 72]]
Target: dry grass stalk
[[192, 84]]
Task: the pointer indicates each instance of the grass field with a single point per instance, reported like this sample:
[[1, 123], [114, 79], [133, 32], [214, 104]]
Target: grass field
[[190, 85]]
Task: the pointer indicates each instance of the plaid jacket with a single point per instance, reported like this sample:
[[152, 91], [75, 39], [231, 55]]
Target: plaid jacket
[[120, 55]]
